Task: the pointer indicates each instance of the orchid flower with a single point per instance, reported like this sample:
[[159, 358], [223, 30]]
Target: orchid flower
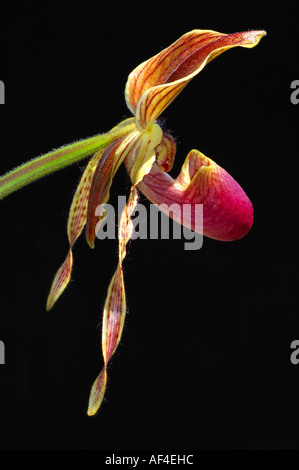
[[148, 153]]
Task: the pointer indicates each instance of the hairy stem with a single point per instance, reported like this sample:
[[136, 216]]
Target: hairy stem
[[60, 158]]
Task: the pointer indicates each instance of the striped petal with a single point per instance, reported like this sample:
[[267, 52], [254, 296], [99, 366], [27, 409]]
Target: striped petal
[[115, 306], [100, 189], [79, 207], [154, 84], [76, 222], [165, 152], [106, 169], [227, 211]]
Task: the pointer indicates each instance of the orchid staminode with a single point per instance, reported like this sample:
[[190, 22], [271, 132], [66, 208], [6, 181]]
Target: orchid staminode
[[148, 153]]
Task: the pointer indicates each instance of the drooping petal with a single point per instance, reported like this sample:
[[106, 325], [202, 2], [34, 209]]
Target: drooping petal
[[113, 322], [99, 190], [154, 84], [111, 160], [76, 222], [79, 207], [227, 211], [97, 392], [115, 306], [60, 281]]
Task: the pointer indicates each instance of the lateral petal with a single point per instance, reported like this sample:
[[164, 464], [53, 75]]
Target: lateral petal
[[60, 281], [76, 222], [115, 306], [106, 169]]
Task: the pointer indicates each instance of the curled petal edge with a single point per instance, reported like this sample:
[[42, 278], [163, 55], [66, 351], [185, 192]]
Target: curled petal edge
[[227, 210], [155, 83]]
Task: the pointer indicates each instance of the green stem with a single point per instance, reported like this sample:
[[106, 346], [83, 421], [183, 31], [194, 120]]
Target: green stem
[[60, 158]]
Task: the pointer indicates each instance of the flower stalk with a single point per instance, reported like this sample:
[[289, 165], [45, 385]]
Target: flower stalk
[[65, 156]]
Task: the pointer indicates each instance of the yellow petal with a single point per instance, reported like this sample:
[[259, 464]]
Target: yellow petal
[[115, 306], [60, 281], [114, 314], [103, 176], [97, 392], [78, 210], [76, 222], [146, 155]]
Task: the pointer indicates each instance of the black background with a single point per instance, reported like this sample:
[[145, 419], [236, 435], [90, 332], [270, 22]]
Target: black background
[[204, 362]]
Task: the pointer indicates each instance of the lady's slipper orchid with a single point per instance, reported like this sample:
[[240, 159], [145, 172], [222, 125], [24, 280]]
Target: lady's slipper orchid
[[148, 153]]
